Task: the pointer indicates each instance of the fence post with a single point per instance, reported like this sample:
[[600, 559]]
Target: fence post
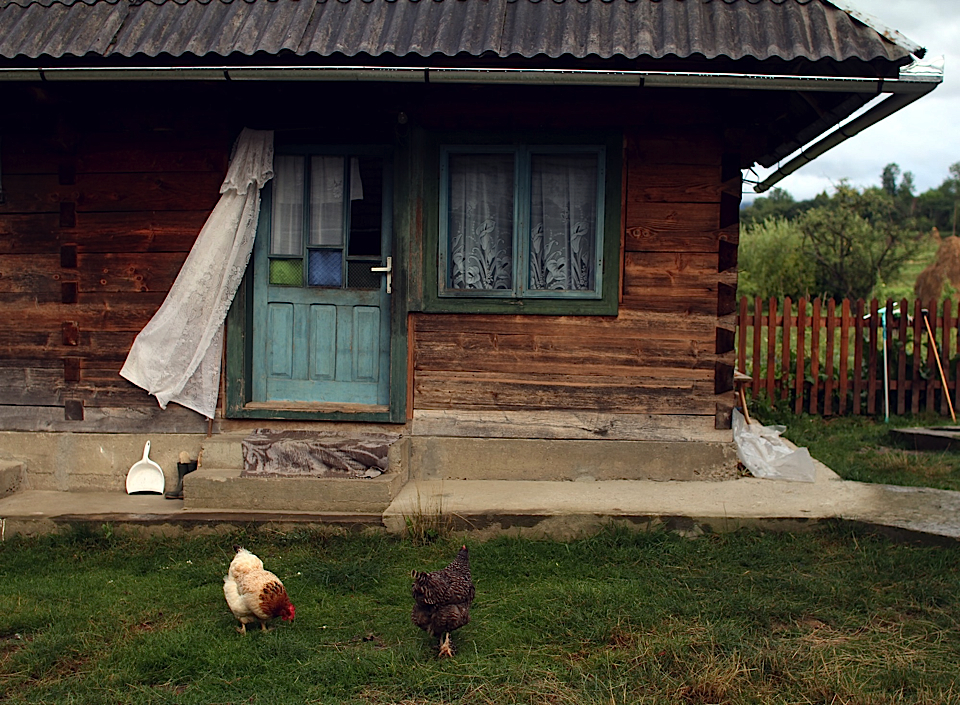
[[828, 358], [757, 327], [801, 343], [815, 358], [945, 356], [876, 328], [933, 376], [785, 350], [901, 357], [844, 354], [742, 336], [915, 386], [771, 350], [956, 376], [858, 357]]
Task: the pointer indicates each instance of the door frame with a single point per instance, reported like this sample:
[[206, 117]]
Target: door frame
[[239, 352]]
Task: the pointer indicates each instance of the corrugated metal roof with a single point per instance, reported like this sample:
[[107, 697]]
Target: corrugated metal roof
[[761, 29]]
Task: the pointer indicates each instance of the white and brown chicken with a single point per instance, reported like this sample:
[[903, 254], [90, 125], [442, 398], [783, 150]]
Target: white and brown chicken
[[442, 600], [254, 594]]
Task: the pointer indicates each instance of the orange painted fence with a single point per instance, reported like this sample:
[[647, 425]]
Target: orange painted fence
[[829, 358]]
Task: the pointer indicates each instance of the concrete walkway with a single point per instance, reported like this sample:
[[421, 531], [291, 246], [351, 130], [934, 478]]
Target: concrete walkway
[[541, 508]]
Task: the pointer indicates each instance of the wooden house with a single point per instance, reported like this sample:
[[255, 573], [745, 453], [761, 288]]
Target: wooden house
[[536, 266]]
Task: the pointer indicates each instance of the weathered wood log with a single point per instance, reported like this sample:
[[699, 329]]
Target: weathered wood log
[[572, 425], [180, 191]]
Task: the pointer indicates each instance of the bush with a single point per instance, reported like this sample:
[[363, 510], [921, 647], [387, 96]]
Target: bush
[[773, 262]]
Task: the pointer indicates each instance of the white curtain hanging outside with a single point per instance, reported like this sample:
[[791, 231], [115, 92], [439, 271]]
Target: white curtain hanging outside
[[176, 357]]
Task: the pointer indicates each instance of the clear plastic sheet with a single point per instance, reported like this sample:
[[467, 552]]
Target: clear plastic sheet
[[765, 454]]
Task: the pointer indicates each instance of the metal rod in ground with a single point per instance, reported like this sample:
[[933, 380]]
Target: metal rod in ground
[[943, 377]]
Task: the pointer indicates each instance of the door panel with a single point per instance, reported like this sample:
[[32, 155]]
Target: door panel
[[366, 334], [323, 341], [280, 340], [321, 321]]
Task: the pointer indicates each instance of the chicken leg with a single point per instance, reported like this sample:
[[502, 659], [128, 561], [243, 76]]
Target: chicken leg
[[446, 647]]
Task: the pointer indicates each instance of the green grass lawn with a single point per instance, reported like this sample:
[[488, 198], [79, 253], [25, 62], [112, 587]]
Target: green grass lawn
[[622, 617], [863, 449]]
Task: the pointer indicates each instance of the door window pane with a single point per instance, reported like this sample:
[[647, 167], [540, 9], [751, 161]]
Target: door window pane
[[325, 268], [286, 272], [287, 226], [480, 221], [366, 212], [563, 221], [359, 275], [326, 200]]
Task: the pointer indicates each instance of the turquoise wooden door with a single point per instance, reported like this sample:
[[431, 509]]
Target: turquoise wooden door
[[322, 282]]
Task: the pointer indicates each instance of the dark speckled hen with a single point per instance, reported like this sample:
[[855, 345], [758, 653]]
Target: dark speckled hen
[[442, 600]]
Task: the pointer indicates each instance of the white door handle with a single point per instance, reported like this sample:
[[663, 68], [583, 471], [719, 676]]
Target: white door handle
[[389, 272]]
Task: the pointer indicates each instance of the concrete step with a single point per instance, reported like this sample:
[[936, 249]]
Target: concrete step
[[459, 458], [217, 484], [222, 451], [564, 510], [33, 512], [225, 489], [11, 477]]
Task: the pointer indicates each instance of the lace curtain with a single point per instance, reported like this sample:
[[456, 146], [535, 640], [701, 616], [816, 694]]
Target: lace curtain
[[563, 221], [481, 221], [563, 214], [176, 357]]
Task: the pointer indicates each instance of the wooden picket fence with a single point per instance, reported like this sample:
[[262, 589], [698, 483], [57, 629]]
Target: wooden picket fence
[[826, 358]]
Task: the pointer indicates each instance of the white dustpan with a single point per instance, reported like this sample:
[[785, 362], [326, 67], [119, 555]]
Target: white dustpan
[[145, 475]]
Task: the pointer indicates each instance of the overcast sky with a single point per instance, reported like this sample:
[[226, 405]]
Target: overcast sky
[[923, 138]]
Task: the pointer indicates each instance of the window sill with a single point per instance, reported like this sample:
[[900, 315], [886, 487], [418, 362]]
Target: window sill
[[547, 307]]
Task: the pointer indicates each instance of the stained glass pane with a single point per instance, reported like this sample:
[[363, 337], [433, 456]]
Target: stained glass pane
[[325, 268], [286, 272]]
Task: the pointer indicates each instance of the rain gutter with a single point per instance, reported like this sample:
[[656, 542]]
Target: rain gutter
[[927, 76], [647, 79]]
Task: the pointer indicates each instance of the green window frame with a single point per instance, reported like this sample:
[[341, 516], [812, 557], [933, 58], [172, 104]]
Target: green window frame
[[519, 293]]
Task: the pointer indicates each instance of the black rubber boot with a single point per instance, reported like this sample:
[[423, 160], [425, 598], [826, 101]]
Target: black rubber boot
[[182, 469]]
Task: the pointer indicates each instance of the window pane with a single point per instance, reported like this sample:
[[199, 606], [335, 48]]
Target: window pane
[[365, 211], [326, 200], [287, 226], [563, 221], [325, 268], [359, 275], [286, 272], [480, 221]]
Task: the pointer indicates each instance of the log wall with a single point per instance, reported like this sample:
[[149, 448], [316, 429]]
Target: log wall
[[95, 224], [669, 350], [99, 213]]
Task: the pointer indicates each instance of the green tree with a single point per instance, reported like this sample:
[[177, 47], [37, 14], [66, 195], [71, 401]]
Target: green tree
[[773, 262], [940, 207], [858, 239], [899, 187], [779, 204]]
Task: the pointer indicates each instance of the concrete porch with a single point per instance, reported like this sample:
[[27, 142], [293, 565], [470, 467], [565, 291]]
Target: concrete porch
[[218, 500]]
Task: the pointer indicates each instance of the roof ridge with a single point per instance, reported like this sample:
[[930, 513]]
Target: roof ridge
[[888, 33]]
